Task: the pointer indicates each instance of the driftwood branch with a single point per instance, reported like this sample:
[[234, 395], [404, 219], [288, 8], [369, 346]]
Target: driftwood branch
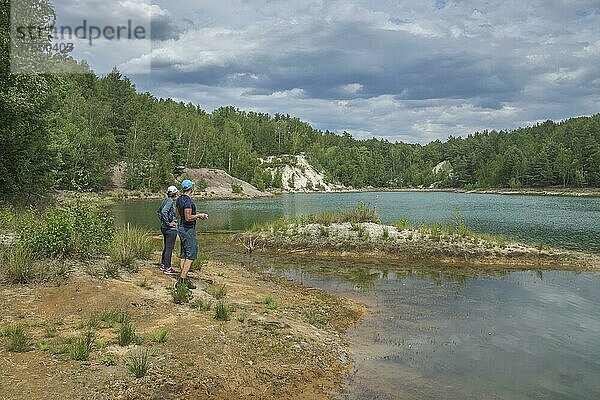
[[249, 242]]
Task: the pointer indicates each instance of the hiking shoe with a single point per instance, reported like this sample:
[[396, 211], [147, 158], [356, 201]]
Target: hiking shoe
[[189, 283], [170, 271]]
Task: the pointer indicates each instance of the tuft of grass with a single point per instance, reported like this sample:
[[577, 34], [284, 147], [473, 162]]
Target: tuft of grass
[[139, 362], [236, 188], [402, 224], [311, 317], [160, 336], [129, 245], [80, 349], [109, 360], [180, 293], [386, 233], [113, 316], [126, 334], [241, 318], [145, 284], [203, 305], [20, 266], [270, 302], [223, 311], [218, 291], [18, 340], [323, 232]]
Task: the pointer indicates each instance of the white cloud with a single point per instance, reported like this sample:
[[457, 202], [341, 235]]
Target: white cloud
[[406, 70]]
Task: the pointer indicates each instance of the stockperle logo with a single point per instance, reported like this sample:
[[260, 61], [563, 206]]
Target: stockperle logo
[[48, 37]]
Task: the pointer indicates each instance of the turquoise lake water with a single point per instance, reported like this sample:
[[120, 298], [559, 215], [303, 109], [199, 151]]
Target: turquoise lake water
[[439, 333]]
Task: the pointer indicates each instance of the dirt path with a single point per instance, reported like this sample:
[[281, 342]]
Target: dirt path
[[259, 353]]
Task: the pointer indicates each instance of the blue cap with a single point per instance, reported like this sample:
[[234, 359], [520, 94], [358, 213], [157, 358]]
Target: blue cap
[[187, 184]]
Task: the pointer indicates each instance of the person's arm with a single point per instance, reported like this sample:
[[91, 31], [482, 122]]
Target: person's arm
[[189, 217]]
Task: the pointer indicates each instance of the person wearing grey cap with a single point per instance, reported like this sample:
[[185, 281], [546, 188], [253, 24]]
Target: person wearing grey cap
[[168, 228]]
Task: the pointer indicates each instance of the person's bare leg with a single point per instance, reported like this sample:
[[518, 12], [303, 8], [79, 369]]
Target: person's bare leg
[[185, 267]]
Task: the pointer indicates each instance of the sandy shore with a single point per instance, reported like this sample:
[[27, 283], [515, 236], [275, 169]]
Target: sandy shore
[[294, 350]]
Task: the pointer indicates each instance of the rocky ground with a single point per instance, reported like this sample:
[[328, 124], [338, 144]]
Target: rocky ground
[[376, 241], [291, 348]]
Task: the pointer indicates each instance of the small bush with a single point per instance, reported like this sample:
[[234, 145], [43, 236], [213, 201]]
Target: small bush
[[77, 228], [180, 293], [7, 218], [402, 224], [160, 336], [139, 363], [236, 188], [223, 311], [386, 232], [126, 334], [270, 302], [109, 360], [218, 291], [311, 317], [80, 349]]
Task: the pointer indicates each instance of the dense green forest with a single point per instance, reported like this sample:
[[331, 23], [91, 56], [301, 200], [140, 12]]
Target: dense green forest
[[70, 131]]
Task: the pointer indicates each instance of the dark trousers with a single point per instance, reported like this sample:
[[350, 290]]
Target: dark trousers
[[169, 237]]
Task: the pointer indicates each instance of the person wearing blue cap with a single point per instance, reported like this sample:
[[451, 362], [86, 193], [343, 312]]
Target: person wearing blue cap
[[187, 230]]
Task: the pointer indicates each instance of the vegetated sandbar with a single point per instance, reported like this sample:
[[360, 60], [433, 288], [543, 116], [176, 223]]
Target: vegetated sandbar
[[337, 236]]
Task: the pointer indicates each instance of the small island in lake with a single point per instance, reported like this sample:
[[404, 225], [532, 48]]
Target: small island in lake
[[360, 233]]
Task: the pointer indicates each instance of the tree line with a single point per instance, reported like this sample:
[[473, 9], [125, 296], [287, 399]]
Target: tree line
[[70, 131]]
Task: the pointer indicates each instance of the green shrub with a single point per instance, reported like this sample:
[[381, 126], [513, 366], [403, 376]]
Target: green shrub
[[139, 362], [201, 185], [7, 218], [312, 317], [402, 224], [223, 311], [109, 360], [236, 188], [113, 316], [76, 228], [270, 302], [386, 232], [160, 336], [94, 229], [199, 262]]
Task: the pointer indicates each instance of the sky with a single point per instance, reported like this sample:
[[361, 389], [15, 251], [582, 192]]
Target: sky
[[412, 71]]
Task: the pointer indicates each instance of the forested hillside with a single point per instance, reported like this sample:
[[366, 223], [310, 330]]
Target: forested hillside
[[69, 131]]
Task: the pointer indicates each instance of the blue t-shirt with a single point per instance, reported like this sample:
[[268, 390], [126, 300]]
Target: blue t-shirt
[[184, 201]]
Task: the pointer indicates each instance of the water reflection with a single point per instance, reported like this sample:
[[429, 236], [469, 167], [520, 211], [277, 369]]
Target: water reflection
[[453, 333]]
